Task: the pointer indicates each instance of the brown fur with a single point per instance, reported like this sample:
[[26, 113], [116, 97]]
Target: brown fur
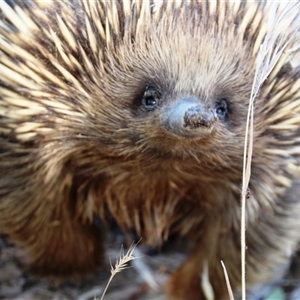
[[75, 141]]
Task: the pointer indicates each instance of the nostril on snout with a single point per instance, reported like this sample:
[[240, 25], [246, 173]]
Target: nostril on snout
[[196, 117], [188, 117]]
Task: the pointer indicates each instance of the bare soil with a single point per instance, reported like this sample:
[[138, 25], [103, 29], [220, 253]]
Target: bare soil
[[143, 279]]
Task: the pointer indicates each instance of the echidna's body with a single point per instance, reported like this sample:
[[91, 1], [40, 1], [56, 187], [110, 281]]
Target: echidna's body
[[137, 111]]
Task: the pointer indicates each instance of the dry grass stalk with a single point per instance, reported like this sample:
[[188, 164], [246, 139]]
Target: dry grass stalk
[[121, 264], [270, 51], [227, 281]]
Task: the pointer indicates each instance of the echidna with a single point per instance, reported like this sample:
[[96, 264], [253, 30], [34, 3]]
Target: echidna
[[136, 111]]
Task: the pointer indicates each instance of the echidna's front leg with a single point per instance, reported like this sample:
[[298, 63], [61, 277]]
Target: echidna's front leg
[[39, 215], [60, 248], [68, 250], [202, 276]]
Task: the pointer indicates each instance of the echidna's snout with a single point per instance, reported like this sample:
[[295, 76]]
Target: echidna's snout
[[188, 117], [197, 116]]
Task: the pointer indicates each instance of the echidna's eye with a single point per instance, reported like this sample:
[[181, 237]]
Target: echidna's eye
[[222, 109], [150, 98]]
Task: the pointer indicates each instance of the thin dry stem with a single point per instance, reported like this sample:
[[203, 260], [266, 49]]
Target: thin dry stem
[[269, 53], [121, 264], [227, 281]]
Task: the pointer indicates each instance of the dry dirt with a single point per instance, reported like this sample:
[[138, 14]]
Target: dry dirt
[[143, 278]]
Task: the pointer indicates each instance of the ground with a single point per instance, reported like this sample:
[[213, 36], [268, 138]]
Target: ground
[[142, 280], [132, 283]]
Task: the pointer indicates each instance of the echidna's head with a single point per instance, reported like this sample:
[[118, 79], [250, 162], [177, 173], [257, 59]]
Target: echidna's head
[[182, 87], [135, 81]]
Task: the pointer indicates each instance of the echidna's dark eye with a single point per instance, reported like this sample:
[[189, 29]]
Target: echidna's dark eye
[[150, 98], [222, 109]]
